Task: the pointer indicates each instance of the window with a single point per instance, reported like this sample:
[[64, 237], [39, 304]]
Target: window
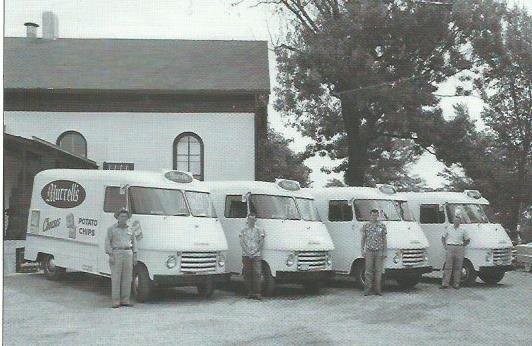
[[340, 211], [188, 154], [234, 207], [274, 207], [388, 211], [155, 201], [119, 166], [307, 209], [470, 213], [200, 204], [404, 209], [431, 213], [73, 142], [114, 201]]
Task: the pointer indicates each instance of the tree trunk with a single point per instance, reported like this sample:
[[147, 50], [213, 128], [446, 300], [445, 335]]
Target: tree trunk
[[358, 163]]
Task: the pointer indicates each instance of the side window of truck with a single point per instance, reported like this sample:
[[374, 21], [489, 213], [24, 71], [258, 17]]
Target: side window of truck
[[431, 213], [114, 201], [340, 211], [234, 207]]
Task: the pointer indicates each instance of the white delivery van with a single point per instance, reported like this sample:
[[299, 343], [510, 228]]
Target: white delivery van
[[489, 254], [297, 247], [344, 210], [182, 241]]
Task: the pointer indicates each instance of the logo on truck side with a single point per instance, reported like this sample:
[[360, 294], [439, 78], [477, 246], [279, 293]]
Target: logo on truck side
[[63, 194]]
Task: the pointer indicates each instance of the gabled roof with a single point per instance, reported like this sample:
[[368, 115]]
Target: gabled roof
[[136, 65]]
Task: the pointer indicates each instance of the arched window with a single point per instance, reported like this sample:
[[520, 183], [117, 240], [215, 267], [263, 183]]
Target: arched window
[[188, 154], [73, 142]]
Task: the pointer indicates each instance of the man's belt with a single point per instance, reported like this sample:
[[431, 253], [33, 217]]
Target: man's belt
[[123, 248], [455, 244]]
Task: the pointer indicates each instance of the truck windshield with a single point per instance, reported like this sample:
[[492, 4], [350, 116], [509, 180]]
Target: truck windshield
[[470, 213], [200, 204], [388, 211], [274, 207], [155, 201], [404, 210], [307, 209]]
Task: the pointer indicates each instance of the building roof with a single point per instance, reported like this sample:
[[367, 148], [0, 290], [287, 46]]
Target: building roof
[[136, 65]]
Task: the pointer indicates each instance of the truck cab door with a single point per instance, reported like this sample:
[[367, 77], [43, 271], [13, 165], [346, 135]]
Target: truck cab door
[[115, 199], [433, 222]]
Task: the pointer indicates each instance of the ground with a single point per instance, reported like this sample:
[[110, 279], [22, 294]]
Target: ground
[[77, 311]]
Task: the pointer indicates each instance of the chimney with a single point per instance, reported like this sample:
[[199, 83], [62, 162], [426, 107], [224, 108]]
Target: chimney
[[31, 29], [50, 26]]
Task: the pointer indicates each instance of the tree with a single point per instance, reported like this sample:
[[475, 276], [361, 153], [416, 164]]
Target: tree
[[281, 161], [356, 77], [498, 158]]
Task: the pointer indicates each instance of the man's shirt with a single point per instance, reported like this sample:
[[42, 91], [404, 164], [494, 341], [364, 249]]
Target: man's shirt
[[375, 233], [119, 237], [455, 236], [252, 241]]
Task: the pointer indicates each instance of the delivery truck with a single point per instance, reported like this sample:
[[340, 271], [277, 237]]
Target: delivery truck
[[180, 242], [345, 210], [488, 255], [297, 246]]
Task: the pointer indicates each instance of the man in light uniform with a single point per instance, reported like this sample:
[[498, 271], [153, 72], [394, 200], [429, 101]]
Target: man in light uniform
[[454, 241], [374, 245], [252, 243], [524, 229], [121, 246]]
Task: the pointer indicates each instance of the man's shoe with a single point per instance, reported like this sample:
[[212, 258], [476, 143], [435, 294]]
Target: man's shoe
[[367, 293], [456, 287], [444, 287], [115, 306], [378, 293], [127, 304], [257, 297]]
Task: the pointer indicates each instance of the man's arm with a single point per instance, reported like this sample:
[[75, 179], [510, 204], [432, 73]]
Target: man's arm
[[385, 236], [261, 239], [108, 247], [363, 241], [467, 240]]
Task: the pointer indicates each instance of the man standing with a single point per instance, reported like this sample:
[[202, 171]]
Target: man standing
[[454, 241], [524, 229], [374, 245], [252, 242], [121, 246]]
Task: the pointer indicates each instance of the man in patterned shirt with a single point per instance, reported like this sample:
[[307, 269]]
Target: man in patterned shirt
[[373, 245], [252, 242]]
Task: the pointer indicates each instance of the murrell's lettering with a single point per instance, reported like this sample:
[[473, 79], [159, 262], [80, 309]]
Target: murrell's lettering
[[63, 194]]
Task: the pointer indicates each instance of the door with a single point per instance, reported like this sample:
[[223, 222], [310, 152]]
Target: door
[[342, 229], [115, 199], [234, 220], [433, 222]]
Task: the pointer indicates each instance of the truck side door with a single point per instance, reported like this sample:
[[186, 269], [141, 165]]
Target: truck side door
[[432, 221], [345, 235]]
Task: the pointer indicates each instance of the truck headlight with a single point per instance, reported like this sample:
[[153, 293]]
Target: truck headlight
[[290, 260], [221, 260], [489, 255], [397, 257], [171, 262], [328, 259]]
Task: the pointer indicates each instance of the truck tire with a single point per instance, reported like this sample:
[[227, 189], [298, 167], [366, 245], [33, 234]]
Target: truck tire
[[268, 281], [52, 271], [142, 285], [491, 277], [469, 274], [408, 281], [359, 272], [206, 288], [313, 287]]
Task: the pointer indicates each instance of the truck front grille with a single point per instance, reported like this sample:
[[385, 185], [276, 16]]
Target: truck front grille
[[502, 256], [198, 262], [314, 260], [413, 257]]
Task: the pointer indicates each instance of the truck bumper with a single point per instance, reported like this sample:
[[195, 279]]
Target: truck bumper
[[301, 277], [391, 273], [188, 279], [506, 268]]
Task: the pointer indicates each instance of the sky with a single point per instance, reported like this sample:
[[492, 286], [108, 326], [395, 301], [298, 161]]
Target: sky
[[196, 19]]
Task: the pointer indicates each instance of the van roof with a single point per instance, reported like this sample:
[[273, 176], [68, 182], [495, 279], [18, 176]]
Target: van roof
[[358, 192], [255, 187], [134, 178], [444, 197]]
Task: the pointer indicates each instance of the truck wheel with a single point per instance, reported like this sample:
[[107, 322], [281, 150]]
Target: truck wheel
[[469, 274], [205, 289], [360, 273], [52, 271], [408, 281], [313, 287], [268, 281], [142, 285], [491, 277]]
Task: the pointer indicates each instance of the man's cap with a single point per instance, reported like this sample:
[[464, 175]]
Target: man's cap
[[123, 210]]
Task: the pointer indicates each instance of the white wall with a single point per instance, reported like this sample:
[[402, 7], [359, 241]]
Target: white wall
[[146, 139]]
